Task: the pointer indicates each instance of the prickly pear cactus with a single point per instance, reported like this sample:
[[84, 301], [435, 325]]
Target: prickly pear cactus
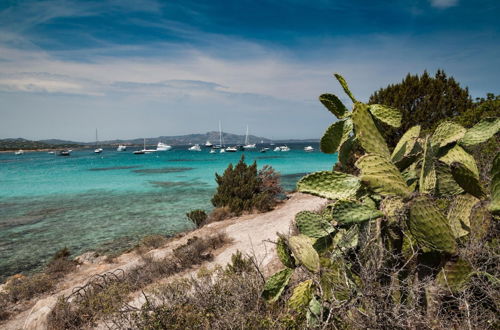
[[302, 295], [447, 132], [455, 275], [382, 176], [406, 144], [481, 132], [303, 250], [275, 285], [284, 253], [459, 155], [332, 185], [429, 226], [347, 212], [389, 115], [495, 185], [312, 224], [467, 180], [459, 214], [333, 104], [344, 85], [367, 133], [335, 136]]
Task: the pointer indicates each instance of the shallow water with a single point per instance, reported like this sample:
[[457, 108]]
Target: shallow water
[[108, 201]]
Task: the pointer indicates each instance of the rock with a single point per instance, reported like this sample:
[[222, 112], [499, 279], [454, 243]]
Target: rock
[[90, 257], [38, 317]]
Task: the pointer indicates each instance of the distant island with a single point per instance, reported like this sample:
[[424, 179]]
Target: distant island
[[213, 136]]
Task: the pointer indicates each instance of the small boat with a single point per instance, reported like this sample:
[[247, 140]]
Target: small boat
[[121, 147], [208, 144], [264, 149], [97, 149], [196, 147], [163, 147], [284, 148], [139, 152], [277, 149], [247, 144], [222, 150], [19, 152], [308, 149], [232, 149], [212, 151], [51, 152], [65, 152], [144, 150]]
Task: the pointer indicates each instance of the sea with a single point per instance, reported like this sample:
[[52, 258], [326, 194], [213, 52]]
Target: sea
[[107, 202]]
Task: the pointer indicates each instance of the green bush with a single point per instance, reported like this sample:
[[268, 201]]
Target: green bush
[[241, 188], [197, 216]]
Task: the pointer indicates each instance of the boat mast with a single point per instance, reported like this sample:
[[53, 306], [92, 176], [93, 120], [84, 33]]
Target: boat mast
[[246, 137], [220, 134], [96, 139]]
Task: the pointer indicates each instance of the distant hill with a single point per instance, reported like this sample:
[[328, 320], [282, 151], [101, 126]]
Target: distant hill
[[213, 136]]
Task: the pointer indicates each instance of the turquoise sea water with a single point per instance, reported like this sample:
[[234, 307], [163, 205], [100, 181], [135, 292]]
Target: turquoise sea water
[[108, 201]]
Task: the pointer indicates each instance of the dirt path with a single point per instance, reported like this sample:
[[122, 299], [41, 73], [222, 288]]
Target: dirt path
[[250, 234]]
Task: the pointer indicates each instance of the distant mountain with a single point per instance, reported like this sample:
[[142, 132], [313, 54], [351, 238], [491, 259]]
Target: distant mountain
[[213, 137]]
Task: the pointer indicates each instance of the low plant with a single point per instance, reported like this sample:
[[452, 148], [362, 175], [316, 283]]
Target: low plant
[[151, 242], [198, 217]]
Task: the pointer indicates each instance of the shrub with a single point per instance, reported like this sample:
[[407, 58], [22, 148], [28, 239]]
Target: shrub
[[219, 214], [199, 217], [60, 264], [151, 242], [241, 188]]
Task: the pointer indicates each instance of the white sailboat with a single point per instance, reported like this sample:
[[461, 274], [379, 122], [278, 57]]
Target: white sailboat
[[247, 144], [196, 147], [97, 149], [144, 150]]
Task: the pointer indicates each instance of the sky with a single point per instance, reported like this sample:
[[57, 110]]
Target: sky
[[150, 68]]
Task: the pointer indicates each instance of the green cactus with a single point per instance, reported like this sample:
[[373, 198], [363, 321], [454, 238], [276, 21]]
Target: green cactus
[[390, 116], [335, 135], [275, 285], [447, 132], [406, 144], [458, 154], [427, 181], [345, 240], [312, 224], [301, 296], [367, 133], [467, 180], [333, 104], [455, 275], [304, 252], [393, 209], [344, 85], [429, 226], [445, 185], [345, 149], [332, 185], [459, 214], [481, 132], [382, 176], [313, 313], [495, 185], [284, 252], [346, 212], [480, 221]]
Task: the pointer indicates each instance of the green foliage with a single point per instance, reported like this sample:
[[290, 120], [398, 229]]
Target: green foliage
[[301, 296], [335, 135], [276, 284], [241, 189], [304, 252], [467, 180], [495, 185], [333, 104], [367, 133], [482, 108], [312, 224], [423, 100], [481, 132], [347, 212], [329, 184], [197, 216]]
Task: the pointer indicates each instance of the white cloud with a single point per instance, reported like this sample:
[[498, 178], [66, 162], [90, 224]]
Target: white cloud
[[443, 3]]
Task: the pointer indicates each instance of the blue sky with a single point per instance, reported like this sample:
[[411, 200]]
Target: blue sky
[[150, 68]]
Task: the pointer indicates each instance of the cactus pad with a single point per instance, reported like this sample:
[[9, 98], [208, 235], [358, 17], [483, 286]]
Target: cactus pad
[[446, 133], [346, 148], [345, 240], [454, 275], [427, 181], [429, 226], [301, 296], [480, 222], [406, 143], [495, 185], [367, 133], [284, 253], [458, 154], [390, 116], [312, 224], [382, 176], [275, 285], [393, 209], [304, 252], [459, 214], [446, 185], [333, 104], [332, 185], [344, 85], [335, 135], [347, 212], [467, 180], [481, 132]]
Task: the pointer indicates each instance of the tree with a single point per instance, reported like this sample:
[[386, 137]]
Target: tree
[[423, 100]]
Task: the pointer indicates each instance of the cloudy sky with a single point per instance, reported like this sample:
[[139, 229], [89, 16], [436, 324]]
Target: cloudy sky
[[151, 67]]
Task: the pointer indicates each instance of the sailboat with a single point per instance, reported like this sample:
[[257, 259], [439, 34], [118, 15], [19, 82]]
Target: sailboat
[[221, 141], [97, 150], [248, 145], [144, 150]]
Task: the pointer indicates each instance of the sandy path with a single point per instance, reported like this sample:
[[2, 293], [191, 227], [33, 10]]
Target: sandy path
[[250, 234]]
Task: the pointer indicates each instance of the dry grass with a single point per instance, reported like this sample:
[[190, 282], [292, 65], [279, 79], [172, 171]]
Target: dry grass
[[106, 294]]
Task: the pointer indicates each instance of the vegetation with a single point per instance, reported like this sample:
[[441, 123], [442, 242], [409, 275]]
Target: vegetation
[[423, 100], [198, 217], [16, 144], [106, 294], [242, 188], [410, 242]]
